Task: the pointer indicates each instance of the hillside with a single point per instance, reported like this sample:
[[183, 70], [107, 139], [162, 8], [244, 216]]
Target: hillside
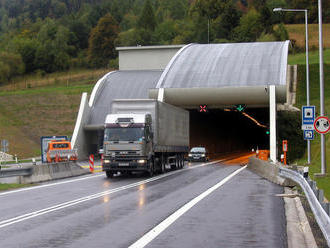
[[44, 109]]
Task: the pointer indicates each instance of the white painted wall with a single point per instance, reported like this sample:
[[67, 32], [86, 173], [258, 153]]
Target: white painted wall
[[147, 57]]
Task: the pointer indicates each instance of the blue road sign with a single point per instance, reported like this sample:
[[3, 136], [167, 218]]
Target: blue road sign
[[308, 134], [308, 115]]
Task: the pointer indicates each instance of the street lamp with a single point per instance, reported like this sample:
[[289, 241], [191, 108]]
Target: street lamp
[[307, 68]]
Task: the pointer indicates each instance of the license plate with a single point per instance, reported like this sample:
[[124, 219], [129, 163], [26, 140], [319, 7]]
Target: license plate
[[123, 164]]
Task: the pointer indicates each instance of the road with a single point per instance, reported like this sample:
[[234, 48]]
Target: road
[[203, 205]]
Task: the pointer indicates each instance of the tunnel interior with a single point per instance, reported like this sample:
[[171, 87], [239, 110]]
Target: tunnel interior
[[218, 130], [229, 131]]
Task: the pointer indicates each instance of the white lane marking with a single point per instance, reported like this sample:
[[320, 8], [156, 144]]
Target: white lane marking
[[49, 185], [27, 216], [80, 179], [153, 233]]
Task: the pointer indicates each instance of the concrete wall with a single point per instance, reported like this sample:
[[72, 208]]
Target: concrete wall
[[269, 171], [146, 57]]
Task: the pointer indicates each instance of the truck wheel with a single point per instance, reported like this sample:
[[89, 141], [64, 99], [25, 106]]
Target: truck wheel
[[162, 166], [152, 168], [109, 174]]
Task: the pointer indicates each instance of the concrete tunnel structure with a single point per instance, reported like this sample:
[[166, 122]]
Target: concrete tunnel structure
[[217, 75]]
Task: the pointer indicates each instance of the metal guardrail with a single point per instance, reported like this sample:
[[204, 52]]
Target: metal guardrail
[[16, 172], [320, 214]]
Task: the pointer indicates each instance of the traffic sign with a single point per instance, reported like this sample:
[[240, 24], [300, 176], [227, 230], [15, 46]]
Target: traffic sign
[[307, 127], [308, 134], [240, 107], [285, 145], [321, 124], [308, 115]]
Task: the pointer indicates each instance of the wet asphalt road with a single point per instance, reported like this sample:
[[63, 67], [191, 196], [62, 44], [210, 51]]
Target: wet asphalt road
[[100, 212]]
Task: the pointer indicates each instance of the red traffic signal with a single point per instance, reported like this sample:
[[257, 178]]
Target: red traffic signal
[[202, 108]]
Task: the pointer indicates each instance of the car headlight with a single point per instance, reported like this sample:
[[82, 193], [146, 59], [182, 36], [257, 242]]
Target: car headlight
[[202, 155], [142, 161], [106, 161], [189, 155]]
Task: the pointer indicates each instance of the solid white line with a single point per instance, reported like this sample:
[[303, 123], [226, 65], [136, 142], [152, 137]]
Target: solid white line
[[49, 185], [78, 179], [27, 216], [148, 237]]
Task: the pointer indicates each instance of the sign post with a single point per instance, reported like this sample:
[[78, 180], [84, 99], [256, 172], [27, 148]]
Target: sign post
[[308, 117]]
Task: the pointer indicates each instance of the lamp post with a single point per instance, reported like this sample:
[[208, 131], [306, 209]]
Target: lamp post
[[307, 68]]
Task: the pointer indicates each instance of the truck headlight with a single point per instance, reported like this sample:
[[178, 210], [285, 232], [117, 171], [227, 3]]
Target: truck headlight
[[202, 155], [189, 155], [106, 161], [142, 161]]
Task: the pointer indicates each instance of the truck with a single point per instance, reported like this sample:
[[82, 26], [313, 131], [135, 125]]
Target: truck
[[144, 135], [60, 151]]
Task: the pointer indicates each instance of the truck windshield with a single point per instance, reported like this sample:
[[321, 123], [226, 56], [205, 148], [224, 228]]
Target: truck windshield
[[123, 134]]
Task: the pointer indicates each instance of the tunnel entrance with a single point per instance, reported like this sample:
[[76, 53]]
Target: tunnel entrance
[[226, 131]]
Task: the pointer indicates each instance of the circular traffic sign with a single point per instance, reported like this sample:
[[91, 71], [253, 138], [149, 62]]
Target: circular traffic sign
[[322, 125]]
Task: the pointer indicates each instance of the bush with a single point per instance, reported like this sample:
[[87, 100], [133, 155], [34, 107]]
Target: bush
[[289, 128], [114, 63], [11, 64]]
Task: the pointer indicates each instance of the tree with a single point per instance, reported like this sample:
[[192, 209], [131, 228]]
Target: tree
[[147, 18], [102, 41], [250, 27]]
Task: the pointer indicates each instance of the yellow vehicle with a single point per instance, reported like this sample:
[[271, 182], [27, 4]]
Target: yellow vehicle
[[60, 151]]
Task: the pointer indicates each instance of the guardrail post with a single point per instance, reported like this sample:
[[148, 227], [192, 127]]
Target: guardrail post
[[320, 196]]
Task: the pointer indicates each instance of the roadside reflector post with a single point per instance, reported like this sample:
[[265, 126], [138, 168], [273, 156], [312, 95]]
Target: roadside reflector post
[[34, 161], [285, 149], [306, 172], [91, 163]]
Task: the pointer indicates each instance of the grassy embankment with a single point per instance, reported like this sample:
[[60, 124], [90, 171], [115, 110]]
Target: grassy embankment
[[39, 106]]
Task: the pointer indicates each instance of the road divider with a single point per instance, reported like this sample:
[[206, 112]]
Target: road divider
[[269, 171]]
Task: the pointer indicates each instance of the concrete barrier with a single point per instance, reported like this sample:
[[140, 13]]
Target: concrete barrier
[[269, 171], [47, 172]]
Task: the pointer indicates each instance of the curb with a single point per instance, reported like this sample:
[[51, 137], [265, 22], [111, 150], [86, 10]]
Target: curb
[[299, 232]]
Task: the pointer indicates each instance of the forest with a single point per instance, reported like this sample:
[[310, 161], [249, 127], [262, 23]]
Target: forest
[[44, 36]]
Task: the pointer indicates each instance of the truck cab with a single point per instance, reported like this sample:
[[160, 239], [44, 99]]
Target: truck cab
[[127, 143], [60, 151]]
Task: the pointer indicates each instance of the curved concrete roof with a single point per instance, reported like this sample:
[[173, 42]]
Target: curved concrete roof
[[227, 65], [121, 85]]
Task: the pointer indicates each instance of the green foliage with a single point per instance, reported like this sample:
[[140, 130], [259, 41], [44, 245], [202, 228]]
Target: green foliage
[[53, 35], [52, 54], [250, 27], [11, 64], [147, 18], [280, 32], [289, 126], [102, 41], [27, 49]]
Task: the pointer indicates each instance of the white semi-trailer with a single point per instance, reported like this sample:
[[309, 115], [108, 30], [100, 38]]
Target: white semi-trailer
[[144, 135]]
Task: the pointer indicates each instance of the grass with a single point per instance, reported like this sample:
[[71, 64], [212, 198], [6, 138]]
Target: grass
[[43, 109], [313, 58], [315, 166], [297, 33], [7, 186]]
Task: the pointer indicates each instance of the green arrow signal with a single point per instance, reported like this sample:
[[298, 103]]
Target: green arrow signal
[[240, 107]]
